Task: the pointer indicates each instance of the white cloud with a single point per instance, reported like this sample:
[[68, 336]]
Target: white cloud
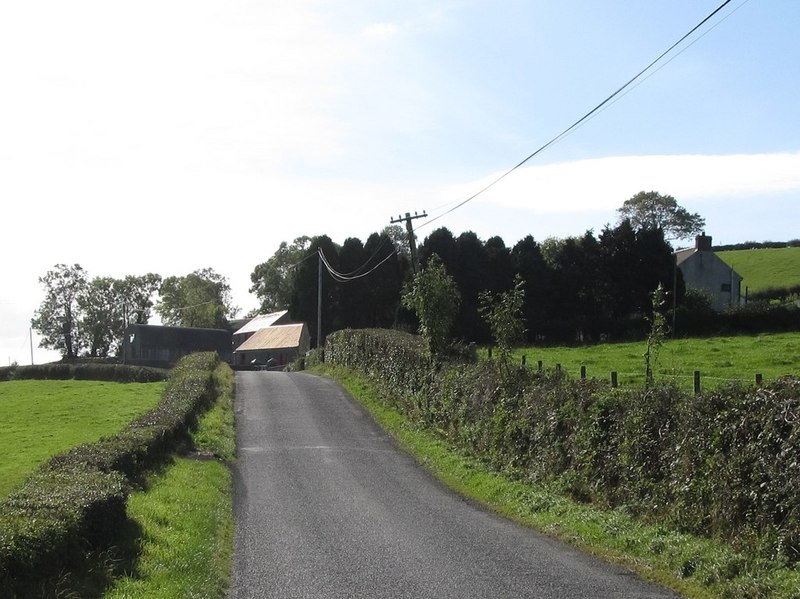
[[604, 183]]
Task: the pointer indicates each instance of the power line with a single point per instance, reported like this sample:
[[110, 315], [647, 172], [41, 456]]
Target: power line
[[341, 278], [585, 117]]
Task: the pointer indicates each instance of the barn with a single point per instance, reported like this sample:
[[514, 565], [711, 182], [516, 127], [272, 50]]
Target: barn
[[273, 346], [162, 346]]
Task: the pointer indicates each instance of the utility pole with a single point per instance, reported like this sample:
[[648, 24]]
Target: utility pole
[[319, 300], [412, 242]]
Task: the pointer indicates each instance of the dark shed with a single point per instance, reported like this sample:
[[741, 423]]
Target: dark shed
[[152, 345]]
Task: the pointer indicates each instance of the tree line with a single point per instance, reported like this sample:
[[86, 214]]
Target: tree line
[[83, 316], [578, 288]]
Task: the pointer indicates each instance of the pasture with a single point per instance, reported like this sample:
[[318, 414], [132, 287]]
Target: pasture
[[766, 268], [40, 418], [719, 359]]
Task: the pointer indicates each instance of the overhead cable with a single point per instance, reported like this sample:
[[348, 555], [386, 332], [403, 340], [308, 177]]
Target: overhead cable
[[580, 120], [337, 276]]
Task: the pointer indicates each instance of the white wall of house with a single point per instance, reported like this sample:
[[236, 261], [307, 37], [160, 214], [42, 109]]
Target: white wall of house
[[704, 270]]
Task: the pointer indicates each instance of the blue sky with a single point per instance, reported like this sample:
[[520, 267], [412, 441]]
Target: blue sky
[[170, 136]]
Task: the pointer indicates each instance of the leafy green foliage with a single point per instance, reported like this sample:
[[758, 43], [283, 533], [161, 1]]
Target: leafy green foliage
[[656, 335], [725, 465], [200, 299], [503, 313], [57, 318], [273, 280], [651, 210], [76, 499], [90, 371], [82, 316], [434, 297]]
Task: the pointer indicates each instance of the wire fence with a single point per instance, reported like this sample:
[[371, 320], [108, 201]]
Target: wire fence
[[694, 381]]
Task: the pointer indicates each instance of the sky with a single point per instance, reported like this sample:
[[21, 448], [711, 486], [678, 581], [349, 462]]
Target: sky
[[171, 136]]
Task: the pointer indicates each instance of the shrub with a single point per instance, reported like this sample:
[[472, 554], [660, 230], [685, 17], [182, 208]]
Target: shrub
[[77, 499], [121, 373], [724, 464]]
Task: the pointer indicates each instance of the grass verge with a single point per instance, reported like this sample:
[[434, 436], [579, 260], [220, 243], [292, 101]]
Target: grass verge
[[695, 567], [185, 516]]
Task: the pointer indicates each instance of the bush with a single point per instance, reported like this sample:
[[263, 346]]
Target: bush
[[54, 517], [77, 499], [121, 373], [724, 464]]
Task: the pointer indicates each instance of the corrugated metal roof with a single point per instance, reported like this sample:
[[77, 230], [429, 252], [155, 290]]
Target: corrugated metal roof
[[262, 321], [275, 337]]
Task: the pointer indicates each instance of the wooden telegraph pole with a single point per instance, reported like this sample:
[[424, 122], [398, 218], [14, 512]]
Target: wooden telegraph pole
[[412, 242]]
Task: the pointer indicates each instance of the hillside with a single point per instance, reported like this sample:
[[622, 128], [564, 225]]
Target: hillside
[[762, 269]]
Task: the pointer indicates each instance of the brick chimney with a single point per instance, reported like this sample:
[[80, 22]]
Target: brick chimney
[[702, 243]]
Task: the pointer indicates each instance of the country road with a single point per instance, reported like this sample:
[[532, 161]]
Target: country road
[[327, 507]]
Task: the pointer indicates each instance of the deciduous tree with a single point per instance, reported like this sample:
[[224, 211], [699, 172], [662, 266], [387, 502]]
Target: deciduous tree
[[434, 297], [273, 280], [57, 318], [651, 210], [200, 299]]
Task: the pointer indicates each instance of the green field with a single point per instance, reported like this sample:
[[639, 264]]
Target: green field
[[766, 268], [719, 359], [41, 418]]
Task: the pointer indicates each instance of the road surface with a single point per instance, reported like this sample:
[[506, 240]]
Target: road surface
[[327, 507]]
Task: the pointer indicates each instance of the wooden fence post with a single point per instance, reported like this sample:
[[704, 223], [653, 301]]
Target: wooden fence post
[[524, 359], [759, 378], [613, 379], [583, 373], [540, 365], [697, 382]]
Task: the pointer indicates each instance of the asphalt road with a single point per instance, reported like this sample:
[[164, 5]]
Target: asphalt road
[[327, 507]]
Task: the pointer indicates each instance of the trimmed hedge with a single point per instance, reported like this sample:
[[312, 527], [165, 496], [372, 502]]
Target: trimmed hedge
[[724, 464], [76, 500], [121, 373]]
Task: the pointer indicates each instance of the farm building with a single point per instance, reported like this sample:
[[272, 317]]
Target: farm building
[[703, 269], [262, 321], [161, 346], [273, 346]]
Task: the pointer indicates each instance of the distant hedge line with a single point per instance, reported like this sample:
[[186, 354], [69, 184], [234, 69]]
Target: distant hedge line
[[724, 464], [121, 373], [77, 499]]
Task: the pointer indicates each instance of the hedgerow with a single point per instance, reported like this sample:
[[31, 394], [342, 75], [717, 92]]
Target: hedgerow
[[724, 464], [76, 500], [121, 373]]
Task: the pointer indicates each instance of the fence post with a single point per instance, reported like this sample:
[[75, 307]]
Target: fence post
[[613, 379], [558, 367], [490, 352], [540, 365], [583, 373], [524, 359], [759, 378], [697, 382]]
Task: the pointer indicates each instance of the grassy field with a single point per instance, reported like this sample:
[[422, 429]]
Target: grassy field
[[765, 268], [719, 359], [41, 418]]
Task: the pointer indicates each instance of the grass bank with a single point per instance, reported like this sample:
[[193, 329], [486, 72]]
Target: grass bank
[[41, 418], [765, 268], [184, 518], [695, 567]]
